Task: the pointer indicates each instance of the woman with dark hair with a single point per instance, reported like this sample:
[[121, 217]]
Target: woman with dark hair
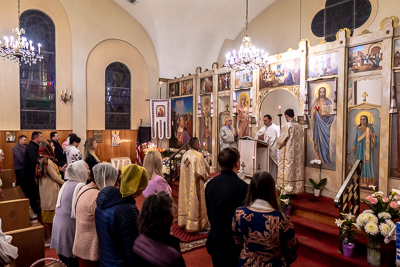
[[155, 246], [267, 236]]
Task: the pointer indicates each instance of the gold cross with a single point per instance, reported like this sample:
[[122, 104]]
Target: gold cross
[[365, 96], [243, 165], [278, 56]]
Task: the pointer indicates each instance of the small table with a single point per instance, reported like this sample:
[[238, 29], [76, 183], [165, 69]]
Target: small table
[[120, 162]]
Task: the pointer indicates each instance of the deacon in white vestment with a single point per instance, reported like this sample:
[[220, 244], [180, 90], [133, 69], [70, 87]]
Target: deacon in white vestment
[[227, 135], [269, 133]]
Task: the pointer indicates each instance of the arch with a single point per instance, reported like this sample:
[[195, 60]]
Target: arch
[[117, 96], [101, 56], [37, 81]]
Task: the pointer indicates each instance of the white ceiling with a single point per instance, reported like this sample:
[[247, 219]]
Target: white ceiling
[[187, 33]]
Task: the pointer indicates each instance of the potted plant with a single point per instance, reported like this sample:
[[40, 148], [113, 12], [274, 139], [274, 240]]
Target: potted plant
[[347, 233], [284, 199], [377, 222], [322, 182]]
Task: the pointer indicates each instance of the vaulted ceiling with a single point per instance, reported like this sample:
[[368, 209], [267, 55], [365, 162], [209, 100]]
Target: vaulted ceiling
[[187, 33]]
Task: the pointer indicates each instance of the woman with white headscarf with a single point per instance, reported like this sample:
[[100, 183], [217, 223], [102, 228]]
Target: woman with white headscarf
[[86, 245], [64, 222]]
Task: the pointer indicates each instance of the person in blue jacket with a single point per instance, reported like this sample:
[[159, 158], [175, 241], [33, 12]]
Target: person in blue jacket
[[116, 217]]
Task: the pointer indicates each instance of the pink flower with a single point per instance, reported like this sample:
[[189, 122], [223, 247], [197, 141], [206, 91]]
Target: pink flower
[[393, 205], [385, 199], [374, 200], [368, 198]]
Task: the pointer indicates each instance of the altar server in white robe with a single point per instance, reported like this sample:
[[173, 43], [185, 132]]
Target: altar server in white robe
[[269, 133], [228, 135]]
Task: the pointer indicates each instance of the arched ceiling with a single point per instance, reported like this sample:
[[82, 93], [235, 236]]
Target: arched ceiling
[[187, 34]]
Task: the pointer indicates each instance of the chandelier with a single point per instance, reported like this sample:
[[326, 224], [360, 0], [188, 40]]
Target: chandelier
[[248, 57], [19, 49]]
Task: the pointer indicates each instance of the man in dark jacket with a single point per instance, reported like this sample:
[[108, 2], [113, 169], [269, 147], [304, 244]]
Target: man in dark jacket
[[116, 218], [28, 181], [58, 150], [224, 194]]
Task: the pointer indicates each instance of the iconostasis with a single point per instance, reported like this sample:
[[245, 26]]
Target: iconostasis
[[343, 93]]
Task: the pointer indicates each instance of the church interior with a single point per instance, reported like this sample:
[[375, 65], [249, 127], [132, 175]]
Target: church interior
[[140, 76]]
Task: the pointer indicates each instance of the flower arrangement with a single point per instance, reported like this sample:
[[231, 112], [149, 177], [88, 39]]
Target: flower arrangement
[[284, 198], [347, 227], [378, 221]]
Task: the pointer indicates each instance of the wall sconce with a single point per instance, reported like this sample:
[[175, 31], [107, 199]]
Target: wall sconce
[[64, 96]]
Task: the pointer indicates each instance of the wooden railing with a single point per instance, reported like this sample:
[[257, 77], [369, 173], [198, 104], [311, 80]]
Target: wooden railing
[[174, 163], [347, 200]]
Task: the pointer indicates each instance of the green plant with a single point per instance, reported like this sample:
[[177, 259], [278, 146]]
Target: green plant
[[318, 185], [347, 227]]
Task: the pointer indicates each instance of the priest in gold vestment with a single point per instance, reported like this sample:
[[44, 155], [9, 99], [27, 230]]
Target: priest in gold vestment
[[291, 154], [192, 212]]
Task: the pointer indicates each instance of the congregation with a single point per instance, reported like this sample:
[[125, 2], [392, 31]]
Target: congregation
[[90, 215]]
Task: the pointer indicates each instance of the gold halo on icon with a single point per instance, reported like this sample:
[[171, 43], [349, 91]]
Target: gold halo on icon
[[246, 95], [319, 86], [223, 119], [366, 113]]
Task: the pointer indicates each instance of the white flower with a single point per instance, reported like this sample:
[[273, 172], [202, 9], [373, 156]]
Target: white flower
[[368, 211], [167, 171], [384, 215], [316, 161], [339, 222], [385, 229], [178, 156], [371, 228], [362, 218], [164, 169], [378, 194], [390, 223], [395, 191], [286, 201], [372, 218], [372, 186], [288, 188], [349, 216], [358, 226]]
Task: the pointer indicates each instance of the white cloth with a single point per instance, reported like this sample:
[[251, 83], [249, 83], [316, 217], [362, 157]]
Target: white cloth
[[120, 162], [105, 175], [271, 134], [76, 171], [5, 245], [227, 137], [73, 154], [260, 204], [160, 112]]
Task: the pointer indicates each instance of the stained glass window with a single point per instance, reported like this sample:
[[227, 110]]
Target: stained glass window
[[37, 82], [118, 96], [339, 14]]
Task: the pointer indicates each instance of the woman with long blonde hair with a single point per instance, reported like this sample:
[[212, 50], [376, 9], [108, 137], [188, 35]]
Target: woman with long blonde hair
[[88, 154], [153, 165]]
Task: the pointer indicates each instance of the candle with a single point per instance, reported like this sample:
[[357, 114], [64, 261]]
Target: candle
[[280, 110], [39, 45], [254, 164], [70, 93]]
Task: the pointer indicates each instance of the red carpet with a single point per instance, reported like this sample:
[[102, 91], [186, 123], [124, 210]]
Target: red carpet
[[185, 236]]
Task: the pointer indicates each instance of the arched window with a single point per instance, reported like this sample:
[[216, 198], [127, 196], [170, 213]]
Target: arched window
[[37, 82], [118, 96]]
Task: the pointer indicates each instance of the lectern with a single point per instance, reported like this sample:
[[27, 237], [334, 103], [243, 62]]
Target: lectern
[[254, 154]]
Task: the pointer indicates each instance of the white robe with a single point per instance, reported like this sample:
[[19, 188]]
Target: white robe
[[271, 134]]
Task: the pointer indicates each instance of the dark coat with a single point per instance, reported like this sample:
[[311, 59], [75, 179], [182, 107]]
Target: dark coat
[[116, 227], [224, 194], [59, 152], [30, 159], [163, 251]]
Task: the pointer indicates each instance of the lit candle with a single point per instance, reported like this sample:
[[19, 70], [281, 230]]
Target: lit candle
[[204, 144], [280, 110], [70, 93]]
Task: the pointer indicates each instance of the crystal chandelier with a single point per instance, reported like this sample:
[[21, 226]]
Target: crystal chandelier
[[248, 57], [19, 49]]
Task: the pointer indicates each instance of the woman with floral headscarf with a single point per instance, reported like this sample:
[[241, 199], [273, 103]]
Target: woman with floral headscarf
[[49, 186], [116, 217], [64, 223], [86, 245]]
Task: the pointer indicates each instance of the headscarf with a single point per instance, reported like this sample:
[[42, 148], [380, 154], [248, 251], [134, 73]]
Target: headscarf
[[105, 175], [76, 171], [45, 153], [133, 179]]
